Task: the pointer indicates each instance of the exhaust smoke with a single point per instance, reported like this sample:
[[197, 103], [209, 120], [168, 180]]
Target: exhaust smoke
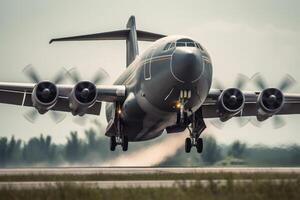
[[152, 155]]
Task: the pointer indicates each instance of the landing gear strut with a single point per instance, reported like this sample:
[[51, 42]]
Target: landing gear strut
[[195, 125], [119, 138], [196, 128]]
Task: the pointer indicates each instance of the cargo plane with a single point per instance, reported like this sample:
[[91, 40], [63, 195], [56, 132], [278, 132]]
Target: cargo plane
[[166, 88]]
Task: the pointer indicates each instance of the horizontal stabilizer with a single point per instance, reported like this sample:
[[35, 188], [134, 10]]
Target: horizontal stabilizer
[[112, 35]]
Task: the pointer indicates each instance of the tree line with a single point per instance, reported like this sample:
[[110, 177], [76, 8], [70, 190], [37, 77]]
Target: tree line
[[94, 149], [42, 151]]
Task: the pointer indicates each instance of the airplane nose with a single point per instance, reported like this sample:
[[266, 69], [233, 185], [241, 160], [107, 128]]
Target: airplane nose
[[187, 65]]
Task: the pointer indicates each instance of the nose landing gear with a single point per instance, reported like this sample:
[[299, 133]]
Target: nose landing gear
[[119, 138], [194, 123]]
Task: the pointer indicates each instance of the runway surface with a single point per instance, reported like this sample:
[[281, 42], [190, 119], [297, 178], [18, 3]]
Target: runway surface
[[135, 183], [142, 170]]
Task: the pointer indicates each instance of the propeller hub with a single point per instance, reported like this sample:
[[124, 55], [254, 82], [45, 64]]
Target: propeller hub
[[85, 93], [232, 100], [272, 98], [46, 93]]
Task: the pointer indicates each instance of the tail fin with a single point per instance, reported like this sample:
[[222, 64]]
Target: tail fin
[[132, 49], [131, 35]]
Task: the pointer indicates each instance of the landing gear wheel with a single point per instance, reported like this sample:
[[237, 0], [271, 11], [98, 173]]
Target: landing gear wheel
[[113, 143], [199, 145], [188, 145], [125, 143]]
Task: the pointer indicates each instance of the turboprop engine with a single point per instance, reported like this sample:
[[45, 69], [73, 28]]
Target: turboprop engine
[[230, 102], [270, 102], [44, 96], [82, 97]]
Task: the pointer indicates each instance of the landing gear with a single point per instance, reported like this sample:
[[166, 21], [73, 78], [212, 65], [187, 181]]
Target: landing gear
[[192, 141], [119, 138], [199, 145], [188, 145], [196, 128], [114, 141]]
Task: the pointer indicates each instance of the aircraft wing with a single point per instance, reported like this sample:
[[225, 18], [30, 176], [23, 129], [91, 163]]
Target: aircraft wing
[[20, 94], [210, 106]]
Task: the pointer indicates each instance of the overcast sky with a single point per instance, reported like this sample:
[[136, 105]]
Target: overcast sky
[[241, 37]]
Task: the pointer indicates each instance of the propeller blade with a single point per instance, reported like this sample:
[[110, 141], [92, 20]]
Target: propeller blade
[[81, 121], [243, 121], [73, 74], [100, 76], [259, 81], [31, 115], [57, 117], [60, 76], [31, 73], [217, 123], [278, 122], [256, 123], [241, 81], [287, 82], [217, 85]]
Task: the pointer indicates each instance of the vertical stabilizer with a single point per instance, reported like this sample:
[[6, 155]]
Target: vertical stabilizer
[[132, 49], [130, 34]]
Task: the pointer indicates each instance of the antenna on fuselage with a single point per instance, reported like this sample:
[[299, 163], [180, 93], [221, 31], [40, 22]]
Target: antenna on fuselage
[[130, 34]]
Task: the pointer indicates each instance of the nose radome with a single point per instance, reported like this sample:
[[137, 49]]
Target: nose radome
[[187, 65]]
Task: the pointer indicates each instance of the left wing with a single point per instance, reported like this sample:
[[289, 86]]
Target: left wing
[[210, 108], [21, 94]]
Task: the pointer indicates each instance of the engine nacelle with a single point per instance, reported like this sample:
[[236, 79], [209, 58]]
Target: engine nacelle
[[44, 96], [270, 101], [230, 102], [82, 97]]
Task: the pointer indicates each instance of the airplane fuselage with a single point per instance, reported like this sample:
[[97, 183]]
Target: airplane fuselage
[[173, 66]]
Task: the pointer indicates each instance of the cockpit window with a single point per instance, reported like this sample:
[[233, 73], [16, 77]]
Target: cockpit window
[[172, 45], [190, 44], [199, 46], [167, 46], [183, 43], [180, 44]]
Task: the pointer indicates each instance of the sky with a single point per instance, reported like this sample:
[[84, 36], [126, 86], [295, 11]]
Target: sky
[[241, 37]]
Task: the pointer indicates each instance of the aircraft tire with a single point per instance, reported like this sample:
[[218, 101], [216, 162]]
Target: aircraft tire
[[113, 143], [199, 145], [188, 145], [125, 143]]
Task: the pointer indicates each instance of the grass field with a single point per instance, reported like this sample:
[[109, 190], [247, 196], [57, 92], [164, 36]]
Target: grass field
[[155, 176], [252, 190], [255, 190]]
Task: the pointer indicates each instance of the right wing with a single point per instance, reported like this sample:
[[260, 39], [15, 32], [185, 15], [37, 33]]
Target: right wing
[[210, 106], [20, 94]]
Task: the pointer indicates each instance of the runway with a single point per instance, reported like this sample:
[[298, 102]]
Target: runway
[[136, 183], [143, 170]]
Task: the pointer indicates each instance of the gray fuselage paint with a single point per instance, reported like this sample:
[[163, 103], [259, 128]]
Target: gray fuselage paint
[[153, 82]]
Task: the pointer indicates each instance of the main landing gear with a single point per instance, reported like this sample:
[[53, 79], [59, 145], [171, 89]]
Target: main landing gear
[[119, 138], [195, 124]]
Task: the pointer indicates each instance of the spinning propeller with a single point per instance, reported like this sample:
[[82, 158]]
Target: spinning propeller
[[240, 84], [44, 91], [271, 97], [100, 77]]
